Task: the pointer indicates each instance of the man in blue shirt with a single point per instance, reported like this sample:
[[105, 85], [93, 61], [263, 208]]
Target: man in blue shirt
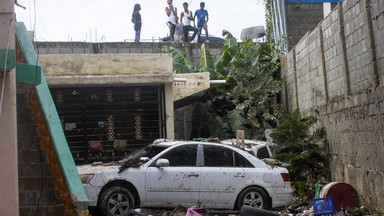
[[201, 14]]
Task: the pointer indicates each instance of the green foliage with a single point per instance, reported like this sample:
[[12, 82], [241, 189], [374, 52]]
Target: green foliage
[[305, 151], [207, 64], [300, 188], [247, 100], [268, 19], [180, 63]]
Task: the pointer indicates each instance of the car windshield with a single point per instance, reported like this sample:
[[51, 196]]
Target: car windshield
[[133, 159]]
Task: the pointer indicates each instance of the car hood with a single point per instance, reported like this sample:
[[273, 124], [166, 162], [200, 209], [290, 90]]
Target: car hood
[[92, 169]]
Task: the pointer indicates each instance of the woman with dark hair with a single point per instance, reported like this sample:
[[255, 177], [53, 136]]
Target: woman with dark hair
[[136, 19]]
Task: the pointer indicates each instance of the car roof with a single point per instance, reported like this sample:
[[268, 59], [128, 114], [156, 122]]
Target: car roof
[[168, 143]]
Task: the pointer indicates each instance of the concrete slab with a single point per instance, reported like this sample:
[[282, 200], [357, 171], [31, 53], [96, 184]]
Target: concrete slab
[[101, 80], [106, 64], [195, 83]]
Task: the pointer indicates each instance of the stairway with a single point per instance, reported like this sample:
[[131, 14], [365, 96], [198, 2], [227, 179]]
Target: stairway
[[37, 192]]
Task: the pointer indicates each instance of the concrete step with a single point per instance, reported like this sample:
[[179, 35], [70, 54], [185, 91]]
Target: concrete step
[[43, 210], [49, 196], [35, 183], [31, 155], [27, 142], [34, 169]]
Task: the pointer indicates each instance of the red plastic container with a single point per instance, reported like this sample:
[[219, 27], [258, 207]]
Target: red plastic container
[[343, 195]]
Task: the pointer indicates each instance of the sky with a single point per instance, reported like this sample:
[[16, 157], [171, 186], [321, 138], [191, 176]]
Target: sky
[[110, 20]]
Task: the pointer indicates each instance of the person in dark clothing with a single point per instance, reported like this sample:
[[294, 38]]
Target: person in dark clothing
[[136, 19]]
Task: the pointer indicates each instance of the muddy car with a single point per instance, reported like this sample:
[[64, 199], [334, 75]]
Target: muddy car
[[167, 174]]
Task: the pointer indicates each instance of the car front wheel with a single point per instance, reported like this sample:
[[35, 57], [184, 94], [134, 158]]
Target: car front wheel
[[116, 200], [254, 197]]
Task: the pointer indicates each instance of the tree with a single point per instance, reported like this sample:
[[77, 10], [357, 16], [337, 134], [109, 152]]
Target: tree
[[303, 150], [247, 100]]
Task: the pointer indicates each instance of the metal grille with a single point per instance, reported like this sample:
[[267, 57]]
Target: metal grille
[[139, 133], [95, 119]]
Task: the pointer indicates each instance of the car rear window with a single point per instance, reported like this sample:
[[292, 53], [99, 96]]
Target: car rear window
[[218, 156], [263, 153]]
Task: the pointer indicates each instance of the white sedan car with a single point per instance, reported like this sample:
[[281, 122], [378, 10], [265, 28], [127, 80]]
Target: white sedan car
[[190, 173]]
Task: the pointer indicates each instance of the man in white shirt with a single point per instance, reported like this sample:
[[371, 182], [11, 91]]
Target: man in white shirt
[[186, 17], [171, 12]]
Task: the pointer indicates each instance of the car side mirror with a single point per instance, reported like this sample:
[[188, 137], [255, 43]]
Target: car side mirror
[[162, 162], [144, 159]]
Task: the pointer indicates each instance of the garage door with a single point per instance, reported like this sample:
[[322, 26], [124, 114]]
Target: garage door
[[105, 124]]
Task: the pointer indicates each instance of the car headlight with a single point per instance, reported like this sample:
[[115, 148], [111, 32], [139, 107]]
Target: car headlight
[[86, 178]]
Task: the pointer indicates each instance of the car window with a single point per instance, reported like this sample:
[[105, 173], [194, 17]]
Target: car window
[[241, 161], [218, 156], [154, 150], [262, 153], [181, 156]]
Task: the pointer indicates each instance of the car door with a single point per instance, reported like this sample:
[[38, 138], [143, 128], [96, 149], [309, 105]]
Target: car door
[[223, 174], [177, 183]]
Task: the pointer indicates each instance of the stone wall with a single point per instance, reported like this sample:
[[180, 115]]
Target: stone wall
[[339, 68], [192, 50]]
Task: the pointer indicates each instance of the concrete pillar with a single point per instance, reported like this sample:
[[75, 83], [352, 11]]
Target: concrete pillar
[[327, 9], [9, 196], [169, 116]]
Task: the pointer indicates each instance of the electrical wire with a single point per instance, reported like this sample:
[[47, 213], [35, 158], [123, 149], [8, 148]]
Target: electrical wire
[[5, 67]]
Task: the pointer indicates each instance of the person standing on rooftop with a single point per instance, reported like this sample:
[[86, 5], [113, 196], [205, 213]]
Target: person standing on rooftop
[[171, 12], [201, 14], [136, 18], [186, 18], [178, 31]]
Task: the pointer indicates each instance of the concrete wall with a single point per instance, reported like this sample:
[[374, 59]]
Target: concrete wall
[[183, 122], [192, 50], [106, 64], [301, 18], [195, 83], [339, 67], [8, 126]]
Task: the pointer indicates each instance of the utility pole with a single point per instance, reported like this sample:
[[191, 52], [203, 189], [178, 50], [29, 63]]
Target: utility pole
[[9, 193]]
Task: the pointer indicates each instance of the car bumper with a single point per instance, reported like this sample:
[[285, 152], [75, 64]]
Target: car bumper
[[281, 196], [282, 199], [92, 194]]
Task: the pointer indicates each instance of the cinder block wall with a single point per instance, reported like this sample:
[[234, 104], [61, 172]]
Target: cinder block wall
[[339, 67], [192, 50], [301, 18]]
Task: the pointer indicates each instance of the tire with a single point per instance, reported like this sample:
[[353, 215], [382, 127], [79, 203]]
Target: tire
[[254, 197], [115, 201]]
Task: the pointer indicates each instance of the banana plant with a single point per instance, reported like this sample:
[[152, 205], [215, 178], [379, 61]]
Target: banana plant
[[180, 63], [246, 101], [207, 64]]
